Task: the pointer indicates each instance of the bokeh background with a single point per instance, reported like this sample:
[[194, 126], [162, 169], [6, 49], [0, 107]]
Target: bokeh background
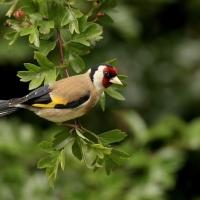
[[157, 45]]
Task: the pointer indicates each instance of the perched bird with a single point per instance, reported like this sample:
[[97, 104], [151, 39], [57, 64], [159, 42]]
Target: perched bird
[[67, 98]]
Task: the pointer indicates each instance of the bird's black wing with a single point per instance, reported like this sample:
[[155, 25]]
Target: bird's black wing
[[39, 95]]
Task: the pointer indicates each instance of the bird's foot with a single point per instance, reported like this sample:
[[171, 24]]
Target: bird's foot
[[77, 126]]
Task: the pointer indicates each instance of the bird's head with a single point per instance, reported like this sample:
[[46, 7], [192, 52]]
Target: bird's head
[[103, 76]]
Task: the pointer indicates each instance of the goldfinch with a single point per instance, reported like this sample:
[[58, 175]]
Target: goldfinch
[[65, 99]]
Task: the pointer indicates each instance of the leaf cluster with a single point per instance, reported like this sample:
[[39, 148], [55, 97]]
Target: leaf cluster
[[94, 150]]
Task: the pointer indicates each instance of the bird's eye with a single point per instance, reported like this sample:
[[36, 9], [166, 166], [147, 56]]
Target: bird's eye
[[106, 73]]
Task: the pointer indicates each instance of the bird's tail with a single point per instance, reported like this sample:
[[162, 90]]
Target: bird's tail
[[5, 109]]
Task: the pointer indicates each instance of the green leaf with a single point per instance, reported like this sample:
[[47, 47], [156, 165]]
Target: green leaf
[[119, 157], [46, 46], [30, 7], [7, 2], [51, 163], [107, 164], [36, 81], [76, 48], [91, 33], [34, 37], [62, 139], [72, 52], [37, 75], [46, 146], [110, 165], [98, 163], [12, 8], [106, 18], [43, 7], [57, 13], [100, 150], [14, 24], [77, 149], [27, 31], [82, 136], [75, 61], [112, 136], [113, 93], [12, 36], [111, 62], [62, 159], [49, 35], [83, 24], [48, 161], [102, 101], [43, 61], [45, 26], [31, 67], [71, 19], [109, 4]]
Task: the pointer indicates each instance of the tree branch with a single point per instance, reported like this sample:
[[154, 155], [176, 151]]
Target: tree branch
[[61, 52]]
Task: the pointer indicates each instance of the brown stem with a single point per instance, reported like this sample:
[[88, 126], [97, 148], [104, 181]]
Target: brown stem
[[61, 51]]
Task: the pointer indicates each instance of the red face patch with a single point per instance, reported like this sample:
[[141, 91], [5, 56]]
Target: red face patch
[[108, 72]]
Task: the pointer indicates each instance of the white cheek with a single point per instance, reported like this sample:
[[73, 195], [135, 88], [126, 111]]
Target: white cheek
[[97, 81]]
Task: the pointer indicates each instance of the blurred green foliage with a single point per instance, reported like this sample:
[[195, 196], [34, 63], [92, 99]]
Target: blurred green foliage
[[157, 44]]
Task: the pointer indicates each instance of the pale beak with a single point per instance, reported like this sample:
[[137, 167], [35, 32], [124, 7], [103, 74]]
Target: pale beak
[[115, 80]]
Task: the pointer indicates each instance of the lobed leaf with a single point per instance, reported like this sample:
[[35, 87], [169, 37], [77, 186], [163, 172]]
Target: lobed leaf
[[46, 146], [110, 165], [46, 46], [49, 161], [100, 150], [45, 26], [12, 36], [37, 75], [34, 37], [76, 48], [62, 139], [119, 157], [43, 61], [14, 24], [92, 33], [112, 136], [71, 19], [75, 61], [57, 13]]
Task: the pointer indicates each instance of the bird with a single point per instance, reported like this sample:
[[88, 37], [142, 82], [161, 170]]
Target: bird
[[65, 99]]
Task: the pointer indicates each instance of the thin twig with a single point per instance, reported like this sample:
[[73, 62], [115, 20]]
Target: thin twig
[[61, 51], [93, 134]]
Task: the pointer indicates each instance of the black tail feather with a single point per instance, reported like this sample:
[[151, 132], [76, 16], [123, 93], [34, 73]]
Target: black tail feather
[[5, 109]]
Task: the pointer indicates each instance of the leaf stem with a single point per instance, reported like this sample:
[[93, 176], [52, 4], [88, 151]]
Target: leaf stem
[[61, 51], [93, 134]]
